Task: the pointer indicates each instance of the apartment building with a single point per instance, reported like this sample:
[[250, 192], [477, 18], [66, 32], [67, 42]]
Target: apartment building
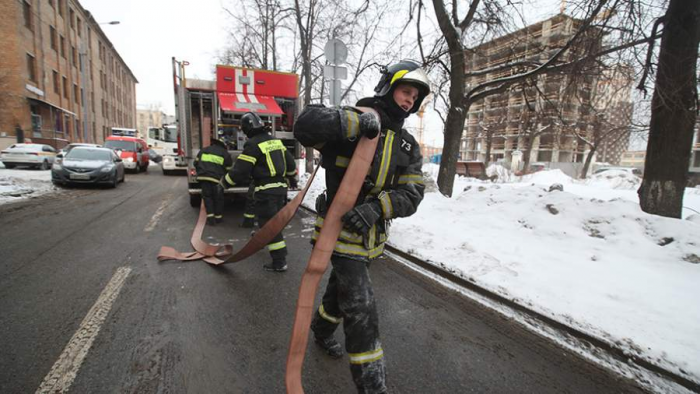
[[543, 116], [694, 168], [149, 116], [61, 79]]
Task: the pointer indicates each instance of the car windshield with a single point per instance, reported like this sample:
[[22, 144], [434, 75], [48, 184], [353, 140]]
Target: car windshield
[[29, 147], [128, 146], [89, 154]]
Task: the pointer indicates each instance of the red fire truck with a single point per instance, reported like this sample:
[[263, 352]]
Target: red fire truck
[[207, 108]]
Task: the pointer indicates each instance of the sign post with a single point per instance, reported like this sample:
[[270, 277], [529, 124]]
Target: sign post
[[336, 54]]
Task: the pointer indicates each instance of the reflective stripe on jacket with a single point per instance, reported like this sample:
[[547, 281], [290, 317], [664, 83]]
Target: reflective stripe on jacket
[[212, 163], [395, 179], [267, 161]]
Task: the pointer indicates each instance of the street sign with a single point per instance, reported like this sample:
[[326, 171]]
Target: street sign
[[336, 51], [335, 72]]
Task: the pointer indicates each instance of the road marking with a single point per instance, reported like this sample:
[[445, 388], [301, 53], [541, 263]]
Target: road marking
[[156, 216], [66, 367]]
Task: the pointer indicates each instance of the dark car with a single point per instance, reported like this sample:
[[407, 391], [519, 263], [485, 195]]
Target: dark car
[[154, 156], [86, 165]]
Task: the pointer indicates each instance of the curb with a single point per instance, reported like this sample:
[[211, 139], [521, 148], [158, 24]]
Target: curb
[[613, 351]]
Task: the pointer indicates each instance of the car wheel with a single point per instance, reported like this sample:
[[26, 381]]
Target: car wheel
[[115, 181], [45, 165], [123, 177], [195, 200]]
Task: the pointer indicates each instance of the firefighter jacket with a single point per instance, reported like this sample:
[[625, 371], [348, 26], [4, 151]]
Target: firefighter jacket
[[267, 161], [394, 181], [212, 162]]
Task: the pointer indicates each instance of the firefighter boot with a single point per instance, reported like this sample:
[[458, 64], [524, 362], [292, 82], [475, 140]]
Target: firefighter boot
[[330, 346], [276, 266], [248, 222]]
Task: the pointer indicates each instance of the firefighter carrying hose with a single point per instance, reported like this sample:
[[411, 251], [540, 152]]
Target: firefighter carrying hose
[[267, 162], [393, 188], [211, 164]]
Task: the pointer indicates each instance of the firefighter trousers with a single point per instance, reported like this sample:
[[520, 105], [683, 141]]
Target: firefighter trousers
[[349, 298], [267, 206], [249, 209], [213, 200]]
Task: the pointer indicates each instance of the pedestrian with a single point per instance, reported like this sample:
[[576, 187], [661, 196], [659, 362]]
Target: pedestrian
[[393, 188], [211, 164], [266, 163]]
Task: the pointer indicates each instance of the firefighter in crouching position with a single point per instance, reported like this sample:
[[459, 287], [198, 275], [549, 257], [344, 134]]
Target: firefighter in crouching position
[[267, 162], [211, 164], [393, 188]]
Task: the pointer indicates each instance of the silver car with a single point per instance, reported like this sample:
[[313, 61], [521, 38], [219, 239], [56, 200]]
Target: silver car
[[86, 165], [33, 155]]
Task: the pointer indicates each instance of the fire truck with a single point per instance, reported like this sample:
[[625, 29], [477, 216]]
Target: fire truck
[[214, 108]]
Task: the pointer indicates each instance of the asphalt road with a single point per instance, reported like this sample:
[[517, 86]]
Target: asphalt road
[[191, 328]]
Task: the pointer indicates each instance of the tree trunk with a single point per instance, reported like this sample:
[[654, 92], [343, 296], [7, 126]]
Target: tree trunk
[[587, 163], [673, 112]]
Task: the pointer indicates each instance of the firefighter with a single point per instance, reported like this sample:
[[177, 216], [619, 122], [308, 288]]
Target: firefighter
[[393, 188], [211, 164], [249, 208], [266, 160]]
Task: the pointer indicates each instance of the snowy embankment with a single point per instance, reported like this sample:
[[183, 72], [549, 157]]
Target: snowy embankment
[[17, 184], [587, 257]]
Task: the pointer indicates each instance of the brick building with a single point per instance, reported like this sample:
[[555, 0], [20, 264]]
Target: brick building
[[544, 115], [61, 79], [149, 116]]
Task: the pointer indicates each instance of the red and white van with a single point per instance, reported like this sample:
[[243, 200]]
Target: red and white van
[[132, 150]]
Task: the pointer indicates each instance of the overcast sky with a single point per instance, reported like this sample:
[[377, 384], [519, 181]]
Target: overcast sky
[[151, 32]]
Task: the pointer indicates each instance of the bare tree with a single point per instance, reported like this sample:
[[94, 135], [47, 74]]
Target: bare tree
[[579, 51], [674, 111]]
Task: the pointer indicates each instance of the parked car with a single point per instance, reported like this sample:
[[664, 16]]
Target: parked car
[[68, 147], [132, 150], [88, 165], [630, 170], [34, 155]]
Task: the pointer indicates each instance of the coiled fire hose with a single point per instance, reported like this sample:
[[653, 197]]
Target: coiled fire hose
[[343, 201]]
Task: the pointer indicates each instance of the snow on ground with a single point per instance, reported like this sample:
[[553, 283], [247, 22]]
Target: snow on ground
[[587, 257], [21, 183]]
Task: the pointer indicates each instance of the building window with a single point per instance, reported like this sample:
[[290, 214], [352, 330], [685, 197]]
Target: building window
[[60, 7], [52, 35], [28, 15], [80, 25], [63, 47], [65, 87], [89, 39], [75, 93], [56, 83], [71, 15], [82, 97], [31, 67], [696, 159], [51, 3]]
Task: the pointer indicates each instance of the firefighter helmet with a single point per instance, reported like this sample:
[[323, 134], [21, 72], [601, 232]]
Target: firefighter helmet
[[405, 71], [251, 124]]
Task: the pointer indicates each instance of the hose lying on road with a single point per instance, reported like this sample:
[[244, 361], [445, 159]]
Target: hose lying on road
[[221, 254]]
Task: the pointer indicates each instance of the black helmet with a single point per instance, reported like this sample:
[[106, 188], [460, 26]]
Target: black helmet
[[251, 124], [405, 71]]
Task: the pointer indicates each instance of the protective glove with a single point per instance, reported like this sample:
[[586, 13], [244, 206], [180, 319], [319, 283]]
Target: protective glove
[[293, 184], [369, 125], [361, 218]]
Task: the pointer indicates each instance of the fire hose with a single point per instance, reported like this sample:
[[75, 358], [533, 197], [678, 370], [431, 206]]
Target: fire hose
[[343, 201]]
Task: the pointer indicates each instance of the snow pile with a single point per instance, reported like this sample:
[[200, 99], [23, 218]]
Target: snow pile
[[604, 267], [16, 184], [616, 179], [502, 174]]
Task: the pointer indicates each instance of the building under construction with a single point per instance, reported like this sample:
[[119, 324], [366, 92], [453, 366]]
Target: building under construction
[[549, 116]]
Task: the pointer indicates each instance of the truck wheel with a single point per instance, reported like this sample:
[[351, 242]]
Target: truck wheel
[[195, 200], [44, 165]]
